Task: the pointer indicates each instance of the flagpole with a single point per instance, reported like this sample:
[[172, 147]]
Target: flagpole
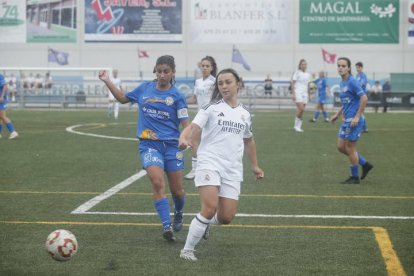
[[139, 64]]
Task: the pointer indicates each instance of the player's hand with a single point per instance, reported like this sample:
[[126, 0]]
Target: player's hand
[[354, 121], [259, 173], [103, 75], [183, 144], [333, 119]]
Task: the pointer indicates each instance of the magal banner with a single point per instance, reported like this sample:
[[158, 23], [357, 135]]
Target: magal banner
[[240, 21], [352, 21], [133, 21], [13, 21]]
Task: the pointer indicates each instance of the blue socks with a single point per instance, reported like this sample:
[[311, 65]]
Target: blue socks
[[179, 203], [354, 170], [1, 128], [163, 210], [316, 115], [361, 160], [325, 115], [10, 127]]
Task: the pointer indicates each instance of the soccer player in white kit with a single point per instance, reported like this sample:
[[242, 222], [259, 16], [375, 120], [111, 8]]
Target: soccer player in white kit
[[300, 92], [113, 104], [203, 89], [226, 133]]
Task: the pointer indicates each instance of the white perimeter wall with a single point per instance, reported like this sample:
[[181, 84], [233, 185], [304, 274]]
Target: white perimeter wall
[[280, 60]]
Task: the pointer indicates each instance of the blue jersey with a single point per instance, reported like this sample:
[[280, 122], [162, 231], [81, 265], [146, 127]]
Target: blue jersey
[[362, 80], [2, 84], [351, 93], [321, 84], [160, 112]]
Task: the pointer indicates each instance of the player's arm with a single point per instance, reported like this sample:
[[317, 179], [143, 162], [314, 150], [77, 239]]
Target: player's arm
[[104, 76], [187, 136], [335, 116], [3, 92], [362, 103], [192, 100], [250, 149], [292, 89]]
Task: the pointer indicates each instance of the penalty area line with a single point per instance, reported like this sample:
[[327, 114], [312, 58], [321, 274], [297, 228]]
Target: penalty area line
[[115, 189]]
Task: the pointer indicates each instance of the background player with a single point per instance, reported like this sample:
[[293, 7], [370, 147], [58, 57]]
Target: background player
[[300, 92], [3, 106], [363, 81], [203, 88], [353, 100], [322, 88]]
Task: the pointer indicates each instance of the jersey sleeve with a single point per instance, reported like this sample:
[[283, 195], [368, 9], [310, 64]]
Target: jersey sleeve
[[357, 89], [133, 96], [248, 132], [201, 118], [295, 76], [182, 108]]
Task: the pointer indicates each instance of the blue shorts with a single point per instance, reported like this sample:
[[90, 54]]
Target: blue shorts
[[322, 101], [346, 132], [164, 154]]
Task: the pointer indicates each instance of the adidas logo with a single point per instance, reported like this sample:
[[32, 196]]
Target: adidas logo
[[221, 114]]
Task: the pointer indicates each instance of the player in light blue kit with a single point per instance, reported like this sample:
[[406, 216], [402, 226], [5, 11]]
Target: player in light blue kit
[[353, 100], [322, 87], [3, 106], [162, 108], [363, 81]]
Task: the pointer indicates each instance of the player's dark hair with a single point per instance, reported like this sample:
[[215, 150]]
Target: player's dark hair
[[213, 64], [348, 62], [300, 62], [169, 61], [216, 96], [360, 64]]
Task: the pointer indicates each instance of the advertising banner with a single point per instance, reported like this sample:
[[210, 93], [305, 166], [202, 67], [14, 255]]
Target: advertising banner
[[353, 21], [51, 20], [410, 22], [13, 21], [240, 21], [133, 21]]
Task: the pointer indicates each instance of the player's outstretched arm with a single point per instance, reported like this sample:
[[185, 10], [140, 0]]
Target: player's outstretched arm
[[187, 135], [250, 149], [104, 76]]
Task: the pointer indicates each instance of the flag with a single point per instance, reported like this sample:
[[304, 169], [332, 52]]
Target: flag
[[142, 54], [328, 57], [60, 58], [238, 58]]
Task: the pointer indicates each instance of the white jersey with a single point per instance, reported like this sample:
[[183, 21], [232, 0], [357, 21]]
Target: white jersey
[[117, 83], [203, 89], [222, 146], [302, 80]]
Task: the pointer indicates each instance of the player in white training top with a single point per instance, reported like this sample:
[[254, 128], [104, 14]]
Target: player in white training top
[[226, 134], [203, 89], [300, 92], [113, 104]]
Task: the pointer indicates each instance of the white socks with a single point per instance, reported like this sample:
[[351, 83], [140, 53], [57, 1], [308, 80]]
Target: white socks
[[298, 123], [195, 233]]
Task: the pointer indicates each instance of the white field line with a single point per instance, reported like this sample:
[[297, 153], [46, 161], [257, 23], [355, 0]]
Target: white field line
[[262, 215], [71, 129], [96, 200]]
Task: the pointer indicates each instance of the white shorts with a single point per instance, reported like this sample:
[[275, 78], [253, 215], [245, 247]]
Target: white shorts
[[301, 97], [227, 188]]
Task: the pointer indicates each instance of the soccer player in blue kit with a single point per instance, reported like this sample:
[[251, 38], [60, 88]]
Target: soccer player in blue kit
[[353, 100], [162, 108], [3, 106], [322, 86], [363, 81]]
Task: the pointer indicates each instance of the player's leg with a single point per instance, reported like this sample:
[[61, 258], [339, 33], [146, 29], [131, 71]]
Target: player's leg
[[8, 123], [116, 110], [316, 114], [152, 159], [300, 109], [209, 203]]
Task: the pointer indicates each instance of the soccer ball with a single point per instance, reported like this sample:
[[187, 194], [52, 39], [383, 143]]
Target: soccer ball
[[61, 245]]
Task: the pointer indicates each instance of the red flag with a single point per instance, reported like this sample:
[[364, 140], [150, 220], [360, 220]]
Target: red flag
[[328, 57], [142, 54]]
